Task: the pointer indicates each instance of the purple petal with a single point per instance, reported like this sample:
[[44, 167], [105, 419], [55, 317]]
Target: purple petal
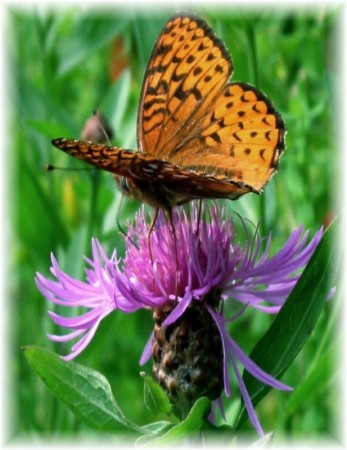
[[179, 309], [65, 337], [254, 369], [147, 351], [248, 403], [220, 325]]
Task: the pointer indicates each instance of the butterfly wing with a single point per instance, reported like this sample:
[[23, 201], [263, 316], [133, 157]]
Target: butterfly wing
[[240, 139], [112, 159], [198, 136], [188, 68], [191, 117], [154, 181]]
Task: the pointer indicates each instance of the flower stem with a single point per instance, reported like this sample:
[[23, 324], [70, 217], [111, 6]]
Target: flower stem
[[255, 79], [95, 184]]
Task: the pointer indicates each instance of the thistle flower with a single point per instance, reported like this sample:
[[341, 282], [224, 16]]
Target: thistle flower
[[195, 281]]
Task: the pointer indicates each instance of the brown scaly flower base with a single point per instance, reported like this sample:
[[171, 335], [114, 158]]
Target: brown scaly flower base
[[188, 357]]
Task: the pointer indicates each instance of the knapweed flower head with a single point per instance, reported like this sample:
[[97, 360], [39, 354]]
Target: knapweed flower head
[[196, 278]]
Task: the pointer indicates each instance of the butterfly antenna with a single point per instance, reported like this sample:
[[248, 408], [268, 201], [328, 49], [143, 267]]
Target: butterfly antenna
[[50, 167], [151, 228]]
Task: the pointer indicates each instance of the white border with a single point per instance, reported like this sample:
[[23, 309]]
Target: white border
[[5, 235]]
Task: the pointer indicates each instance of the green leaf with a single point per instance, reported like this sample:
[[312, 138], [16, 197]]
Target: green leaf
[[48, 129], [38, 202], [152, 431], [155, 397], [294, 324], [88, 35], [316, 381], [188, 427], [86, 392], [224, 433], [116, 104]]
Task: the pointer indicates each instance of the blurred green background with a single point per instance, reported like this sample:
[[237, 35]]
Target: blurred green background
[[63, 64]]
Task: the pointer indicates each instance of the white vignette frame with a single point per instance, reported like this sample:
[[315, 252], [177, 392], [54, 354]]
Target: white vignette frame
[[6, 236]]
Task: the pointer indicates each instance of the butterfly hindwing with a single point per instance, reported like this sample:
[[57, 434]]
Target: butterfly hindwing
[[240, 139]]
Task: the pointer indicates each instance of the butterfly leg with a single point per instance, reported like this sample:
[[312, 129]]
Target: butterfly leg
[[119, 226], [199, 216], [124, 233], [168, 215], [118, 210], [151, 228], [170, 219]]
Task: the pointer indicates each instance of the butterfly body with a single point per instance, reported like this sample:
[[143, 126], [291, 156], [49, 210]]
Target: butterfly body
[[199, 136]]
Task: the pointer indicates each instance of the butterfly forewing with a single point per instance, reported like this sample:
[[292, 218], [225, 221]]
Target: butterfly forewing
[[187, 70], [112, 159]]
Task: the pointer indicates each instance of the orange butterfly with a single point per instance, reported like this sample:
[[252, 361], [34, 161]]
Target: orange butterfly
[[198, 135]]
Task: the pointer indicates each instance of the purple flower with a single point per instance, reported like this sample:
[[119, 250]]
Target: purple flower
[[173, 271]]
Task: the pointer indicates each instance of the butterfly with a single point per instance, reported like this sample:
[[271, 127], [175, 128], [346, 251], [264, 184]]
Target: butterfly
[[198, 135]]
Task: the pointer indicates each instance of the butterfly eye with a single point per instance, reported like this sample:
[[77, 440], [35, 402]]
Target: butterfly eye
[[123, 184]]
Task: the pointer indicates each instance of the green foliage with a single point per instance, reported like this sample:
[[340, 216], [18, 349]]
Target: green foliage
[[85, 391], [188, 427], [155, 397], [89, 396], [60, 64]]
